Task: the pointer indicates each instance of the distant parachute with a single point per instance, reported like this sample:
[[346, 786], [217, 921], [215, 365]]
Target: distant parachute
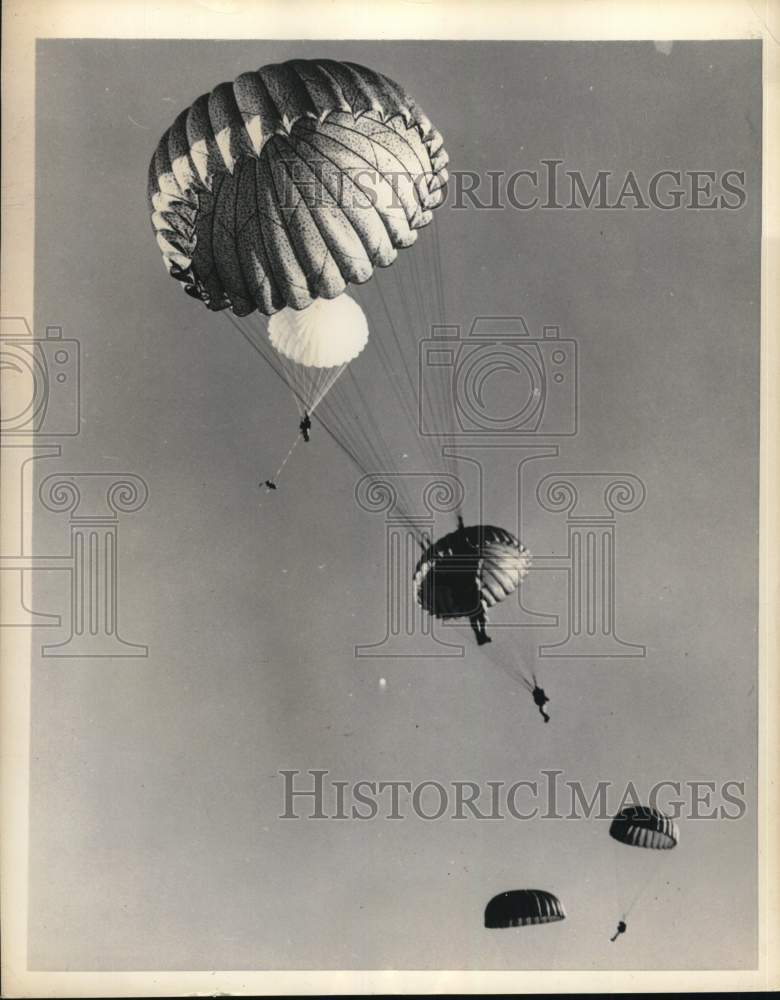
[[472, 567], [468, 571], [523, 907], [641, 826]]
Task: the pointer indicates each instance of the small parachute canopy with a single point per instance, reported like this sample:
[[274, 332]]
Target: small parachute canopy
[[472, 567], [641, 826], [328, 334], [314, 345], [522, 907]]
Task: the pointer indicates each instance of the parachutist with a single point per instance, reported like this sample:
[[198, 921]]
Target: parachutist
[[478, 621], [537, 693], [540, 700], [305, 426], [269, 484], [621, 929]]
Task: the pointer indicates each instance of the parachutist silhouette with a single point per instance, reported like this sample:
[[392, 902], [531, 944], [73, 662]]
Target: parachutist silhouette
[[270, 484], [621, 929], [305, 426], [478, 621], [538, 694], [540, 700]]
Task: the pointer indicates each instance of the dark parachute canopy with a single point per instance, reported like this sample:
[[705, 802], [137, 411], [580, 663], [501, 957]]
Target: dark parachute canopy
[[641, 826], [522, 907], [473, 567], [292, 181]]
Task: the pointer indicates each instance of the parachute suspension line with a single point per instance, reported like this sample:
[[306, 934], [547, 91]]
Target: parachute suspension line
[[438, 271], [341, 440], [616, 884], [255, 339], [378, 343], [620, 890], [443, 400], [437, 400], [335, 425], [404, 390], [433, 454], [410, 381], [325, 385], [384, 455], [646, 883], [356, 435], [286, 459], [295, 382], [309, 385], [511, 666], [345, 427], [276, 364]]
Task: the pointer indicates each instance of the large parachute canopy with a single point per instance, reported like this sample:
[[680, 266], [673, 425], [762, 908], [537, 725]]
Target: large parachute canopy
[[523, 907], [292, 181], [273, 194], [642, 826]]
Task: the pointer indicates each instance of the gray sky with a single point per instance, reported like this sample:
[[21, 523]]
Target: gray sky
[[155, 842]]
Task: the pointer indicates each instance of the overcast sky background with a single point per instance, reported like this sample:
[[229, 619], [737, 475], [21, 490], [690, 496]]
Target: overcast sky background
[[155, 842]]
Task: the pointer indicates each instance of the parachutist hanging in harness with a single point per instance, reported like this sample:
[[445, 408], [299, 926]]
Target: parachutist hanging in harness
[[538, 694], [463, 549], [621, 929], [305, 426], [540, 700], [478, 621]]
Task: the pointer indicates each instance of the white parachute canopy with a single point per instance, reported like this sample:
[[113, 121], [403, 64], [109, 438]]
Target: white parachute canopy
[[316, 344]]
